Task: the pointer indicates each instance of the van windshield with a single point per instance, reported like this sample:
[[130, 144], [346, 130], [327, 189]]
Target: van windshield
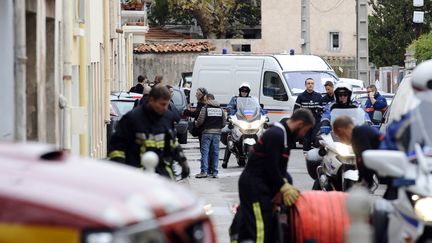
[[296, 80]]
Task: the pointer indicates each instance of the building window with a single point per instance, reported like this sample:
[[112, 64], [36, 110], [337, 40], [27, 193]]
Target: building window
[[334, 41], [241, 48]]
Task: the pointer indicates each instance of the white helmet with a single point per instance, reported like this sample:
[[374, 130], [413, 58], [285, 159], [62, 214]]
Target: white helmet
[[421, 81], [245, 85], [342, 87]]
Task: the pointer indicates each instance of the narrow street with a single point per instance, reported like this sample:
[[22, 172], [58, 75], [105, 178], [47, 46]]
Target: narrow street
[[222, 193]]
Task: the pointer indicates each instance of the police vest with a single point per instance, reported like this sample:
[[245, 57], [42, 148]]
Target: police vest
[[213, 119]]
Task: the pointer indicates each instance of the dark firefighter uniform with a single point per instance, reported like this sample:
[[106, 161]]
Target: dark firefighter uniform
[[142, 130], [312, 102], [260, 181]]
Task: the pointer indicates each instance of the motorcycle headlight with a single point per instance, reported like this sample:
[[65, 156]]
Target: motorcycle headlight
[[422, 208], [344, 150], [99, 237], [249, 125]]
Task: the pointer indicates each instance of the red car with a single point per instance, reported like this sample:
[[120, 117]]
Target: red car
[[47, 195]]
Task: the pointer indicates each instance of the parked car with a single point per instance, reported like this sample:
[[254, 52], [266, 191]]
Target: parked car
[[122, 102], [356, 84], [48, 196], [361, 96]]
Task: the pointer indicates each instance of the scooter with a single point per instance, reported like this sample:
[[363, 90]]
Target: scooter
[[333, 165], [408, 218], [246, 126]]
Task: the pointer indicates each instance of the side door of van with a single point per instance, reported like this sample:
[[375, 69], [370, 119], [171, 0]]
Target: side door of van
[[275, 96]]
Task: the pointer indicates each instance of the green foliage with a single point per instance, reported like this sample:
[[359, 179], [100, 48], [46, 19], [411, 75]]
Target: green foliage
[[391, 30], [423, 47], [215, 17]]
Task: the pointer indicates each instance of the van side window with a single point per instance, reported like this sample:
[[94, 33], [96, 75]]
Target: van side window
[[273, 87]]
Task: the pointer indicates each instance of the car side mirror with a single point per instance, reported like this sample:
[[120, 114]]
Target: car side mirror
[[386, 162]]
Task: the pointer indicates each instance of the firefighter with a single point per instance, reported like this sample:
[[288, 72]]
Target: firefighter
[[265, 175], [149, 127]]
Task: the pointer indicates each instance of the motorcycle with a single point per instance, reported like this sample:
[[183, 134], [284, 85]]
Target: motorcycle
[[333, 164], [408, 218], [246, 126]]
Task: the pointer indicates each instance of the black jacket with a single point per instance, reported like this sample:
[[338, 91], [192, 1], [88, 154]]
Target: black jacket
[[326, 99], [141, 130], [311, 101], [268, 161], [138, 88], [195, 114]]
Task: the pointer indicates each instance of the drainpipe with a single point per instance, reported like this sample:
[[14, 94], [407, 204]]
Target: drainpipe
[[107, 67], [129, 50], [20, 71], [67, 73], [83, 90]]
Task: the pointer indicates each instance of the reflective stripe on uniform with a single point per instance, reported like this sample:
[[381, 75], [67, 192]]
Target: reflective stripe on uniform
[[117, 154], [169, 170], [258, 222]]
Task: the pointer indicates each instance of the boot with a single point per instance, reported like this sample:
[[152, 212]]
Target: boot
[[227, 154]]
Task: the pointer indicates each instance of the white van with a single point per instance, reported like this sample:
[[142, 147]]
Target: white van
[[275, 80]]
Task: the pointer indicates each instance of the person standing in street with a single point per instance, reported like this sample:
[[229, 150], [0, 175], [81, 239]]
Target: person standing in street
[[375, 101], [211, 119], [265, 175], [310, 100], [329, 96], [149, 127], [139, 87]]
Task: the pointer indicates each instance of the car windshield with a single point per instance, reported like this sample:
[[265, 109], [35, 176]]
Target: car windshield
[[248, 108], [356, 114], [123, 106], [296, 80]]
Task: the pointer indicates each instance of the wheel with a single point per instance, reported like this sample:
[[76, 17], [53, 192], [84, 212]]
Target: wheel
[[241, 162], [182, 138]]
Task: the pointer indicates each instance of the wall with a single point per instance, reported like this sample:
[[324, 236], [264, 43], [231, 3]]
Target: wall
[[7, 108], [280, 26], [333, 16], [169, 65]]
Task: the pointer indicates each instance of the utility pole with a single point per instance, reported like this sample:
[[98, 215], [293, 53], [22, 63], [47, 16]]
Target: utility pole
[[362, 62], [305, 27]]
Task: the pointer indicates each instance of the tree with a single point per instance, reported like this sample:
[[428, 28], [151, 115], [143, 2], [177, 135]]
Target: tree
[[215, 17], [391, 30], [423, 47]]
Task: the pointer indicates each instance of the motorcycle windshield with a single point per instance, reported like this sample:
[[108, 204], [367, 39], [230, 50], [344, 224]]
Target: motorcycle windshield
[[356, 114], [248, 108]]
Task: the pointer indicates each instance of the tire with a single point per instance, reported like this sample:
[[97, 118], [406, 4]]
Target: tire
[[182, 138]]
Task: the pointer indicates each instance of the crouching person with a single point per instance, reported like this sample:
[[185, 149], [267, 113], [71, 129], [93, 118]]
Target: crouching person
[[265, 175], [211, 119]]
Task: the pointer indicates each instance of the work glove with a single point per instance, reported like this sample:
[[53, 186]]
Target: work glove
[[185, 169], [290, 194], [325, 129]]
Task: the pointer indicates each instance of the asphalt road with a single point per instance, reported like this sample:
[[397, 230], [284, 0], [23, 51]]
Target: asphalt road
[[221, 194]]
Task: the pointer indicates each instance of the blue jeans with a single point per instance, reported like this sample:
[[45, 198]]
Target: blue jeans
[[208, 140]]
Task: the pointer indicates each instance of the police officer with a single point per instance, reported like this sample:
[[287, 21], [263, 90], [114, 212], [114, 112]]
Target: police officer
[[265, 175], [329, 96], [310, 100], [343, 92], [211, 119], [244, 91], [415, 127], [149, 127]]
